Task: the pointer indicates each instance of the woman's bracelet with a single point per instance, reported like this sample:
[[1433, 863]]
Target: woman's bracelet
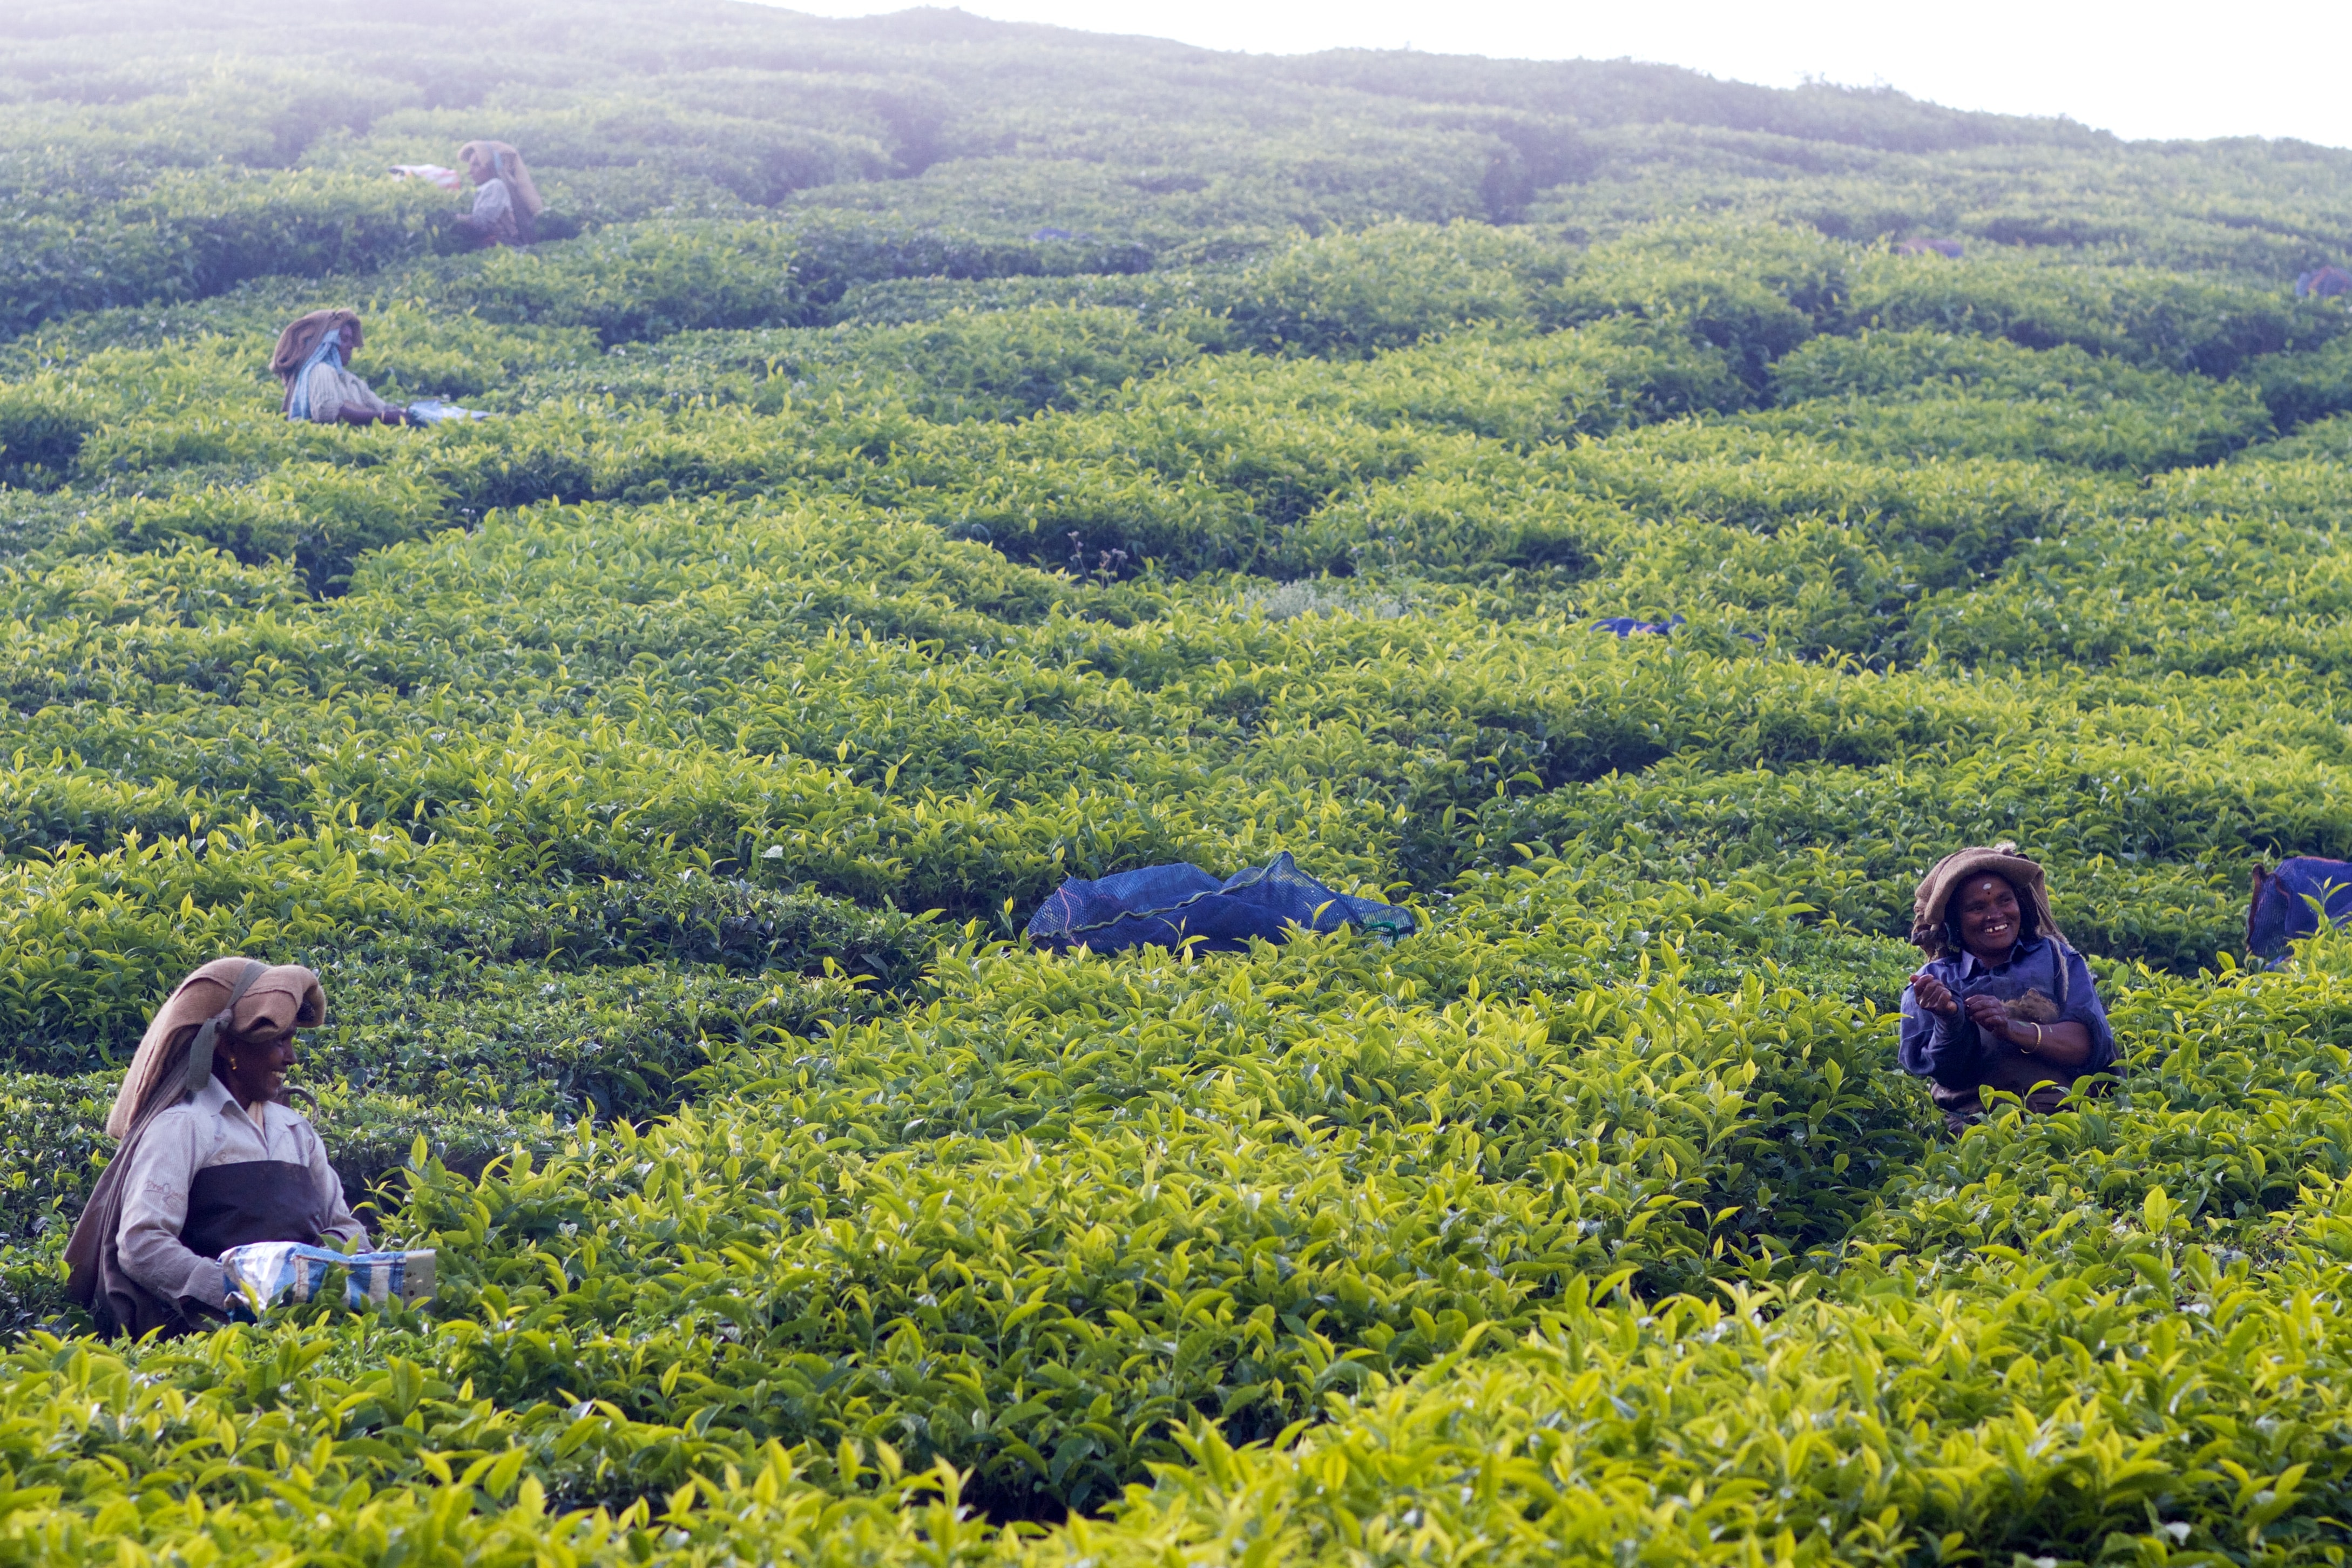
[[2036, 1047]]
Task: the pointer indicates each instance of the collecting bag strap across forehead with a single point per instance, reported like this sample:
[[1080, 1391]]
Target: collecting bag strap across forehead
[[200, 1054]]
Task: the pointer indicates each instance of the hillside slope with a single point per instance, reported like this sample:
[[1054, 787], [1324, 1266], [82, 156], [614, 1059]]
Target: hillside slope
[[660, 772]]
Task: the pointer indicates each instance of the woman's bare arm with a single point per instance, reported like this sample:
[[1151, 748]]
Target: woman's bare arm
[[2060, 1044]]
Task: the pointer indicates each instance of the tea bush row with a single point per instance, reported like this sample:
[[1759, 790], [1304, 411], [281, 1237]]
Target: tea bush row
[[859, 793], [1905, 1380]]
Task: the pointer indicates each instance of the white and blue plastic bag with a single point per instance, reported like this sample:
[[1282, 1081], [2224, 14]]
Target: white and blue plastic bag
[[265, 1272]]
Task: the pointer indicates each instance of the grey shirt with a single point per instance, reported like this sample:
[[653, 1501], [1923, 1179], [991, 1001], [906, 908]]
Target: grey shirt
[[209, 1128], [335, 391]]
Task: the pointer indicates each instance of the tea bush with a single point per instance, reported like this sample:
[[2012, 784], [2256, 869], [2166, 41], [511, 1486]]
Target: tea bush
[[198, 232]]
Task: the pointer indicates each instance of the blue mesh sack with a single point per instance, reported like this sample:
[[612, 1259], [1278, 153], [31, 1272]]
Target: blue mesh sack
[[1160, 906], [2282, 911]]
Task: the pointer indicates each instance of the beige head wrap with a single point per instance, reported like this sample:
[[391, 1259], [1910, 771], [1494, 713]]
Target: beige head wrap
[[273, 999], [1931, 904], [508, 166], [302, 334]]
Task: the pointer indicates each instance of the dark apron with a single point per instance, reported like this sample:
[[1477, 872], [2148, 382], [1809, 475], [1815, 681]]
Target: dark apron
[[228, 1206], [253, 1200]]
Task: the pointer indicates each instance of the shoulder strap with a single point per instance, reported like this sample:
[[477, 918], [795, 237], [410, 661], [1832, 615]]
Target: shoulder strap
[[200, 1053]]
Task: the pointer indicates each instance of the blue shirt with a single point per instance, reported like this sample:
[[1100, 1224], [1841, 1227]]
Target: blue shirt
[[2033, 985]]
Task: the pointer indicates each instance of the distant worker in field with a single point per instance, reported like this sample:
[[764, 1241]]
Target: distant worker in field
[[2003, 1003], [506, 204], [311, 357], [210, 1157], [2326, 283]]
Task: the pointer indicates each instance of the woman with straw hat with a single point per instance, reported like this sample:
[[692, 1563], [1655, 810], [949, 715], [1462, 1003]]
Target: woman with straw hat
[[2003, 1003], [210, 1158], [506, 204], [312, 360]]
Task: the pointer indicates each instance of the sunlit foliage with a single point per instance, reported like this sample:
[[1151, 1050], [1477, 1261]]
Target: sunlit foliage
[[931, 459]]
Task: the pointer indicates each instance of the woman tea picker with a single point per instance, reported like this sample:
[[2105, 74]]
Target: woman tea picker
[[310, 359], [2003, 1003], [506, 204], [210, 1159]]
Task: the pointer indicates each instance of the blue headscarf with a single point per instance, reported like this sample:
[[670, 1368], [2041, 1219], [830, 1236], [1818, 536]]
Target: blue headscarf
[[298, 396]]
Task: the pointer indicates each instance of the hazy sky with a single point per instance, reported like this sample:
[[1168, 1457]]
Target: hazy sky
[[2148, 69]]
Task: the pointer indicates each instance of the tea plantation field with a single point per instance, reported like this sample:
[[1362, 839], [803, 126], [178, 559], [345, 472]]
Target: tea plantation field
[[932, 458]]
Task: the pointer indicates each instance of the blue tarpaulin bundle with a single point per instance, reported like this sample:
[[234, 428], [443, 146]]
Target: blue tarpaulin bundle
[[1160, 906], [2283, 909], [2325, 283], [1626, 625]]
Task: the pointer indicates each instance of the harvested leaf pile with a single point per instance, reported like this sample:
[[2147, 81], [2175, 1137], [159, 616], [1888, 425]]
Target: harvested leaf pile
[[660, 772]]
